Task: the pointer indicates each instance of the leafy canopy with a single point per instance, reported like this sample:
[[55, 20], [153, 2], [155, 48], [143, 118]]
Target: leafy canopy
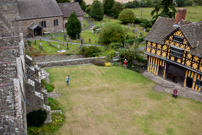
[[108, 4], [97, 11], [116, 9], [112, 33], [73, 25], [62, 1], [127, 16], [166, 9]]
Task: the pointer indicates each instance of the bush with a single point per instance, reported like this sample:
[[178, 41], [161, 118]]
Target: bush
[[108, 64], [146, 24], [115, 46], [29, 43], [98, 62], [115, 64], [54, 104], [130, 41], [43, 82], [49, 87], [97, 11], [112, 33], [36, 118], [127, 16], [148, 29], [116, 9], [109, 54], [88, 9], [83, 5], [90, 51], [108, 4], [140, 20]]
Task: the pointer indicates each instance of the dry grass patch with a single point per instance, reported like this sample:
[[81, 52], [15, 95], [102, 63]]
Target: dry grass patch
[[117, 101]]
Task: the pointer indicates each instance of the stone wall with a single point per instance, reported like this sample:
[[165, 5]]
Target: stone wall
[[56, 57], [23, 24], [80, 61]]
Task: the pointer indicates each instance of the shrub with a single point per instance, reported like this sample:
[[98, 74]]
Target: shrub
[[54, 104], [90, 51], [29, 43], [116, 9], [83, 5], [130, 41], [115, 46], [134, 4], [140, 20], [43, 82], [73, 26], [49, 87], [146, 24], [112, 33], [88, 9], [36, 118], [108, 64], [97, 11], [98, 62], [148, 29], [115, 64], [109, 54], [127, 16]]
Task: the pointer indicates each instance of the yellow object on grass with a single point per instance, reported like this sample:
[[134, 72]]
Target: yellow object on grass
[[108, 64]]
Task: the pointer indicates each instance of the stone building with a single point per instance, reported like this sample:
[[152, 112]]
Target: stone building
[[67, 8], [173, 48], [20, 87]]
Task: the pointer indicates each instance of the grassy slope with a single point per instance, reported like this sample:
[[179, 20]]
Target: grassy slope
[[114, 100], [193, 13]]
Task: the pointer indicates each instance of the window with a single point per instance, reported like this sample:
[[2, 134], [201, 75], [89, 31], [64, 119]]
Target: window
[[43, 24], [176, 52], [55, 22], [199, 82], [178, 39]]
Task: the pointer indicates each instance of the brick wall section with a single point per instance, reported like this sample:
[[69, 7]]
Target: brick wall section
[[181, 14], [24, 24]]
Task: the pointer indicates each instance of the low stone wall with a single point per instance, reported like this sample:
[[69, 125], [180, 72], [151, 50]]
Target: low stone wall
[[56, 57], [70, 62]]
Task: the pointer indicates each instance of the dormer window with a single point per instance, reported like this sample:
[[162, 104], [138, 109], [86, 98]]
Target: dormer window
[[177, 39]]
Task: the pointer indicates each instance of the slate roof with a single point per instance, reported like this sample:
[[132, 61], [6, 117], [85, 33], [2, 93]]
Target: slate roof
[[67, 8], [31, 9], [165, 26], [34, 25]]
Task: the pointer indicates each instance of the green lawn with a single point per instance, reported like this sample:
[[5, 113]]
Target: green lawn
[[73, 48], [194, 13], [117, 101], [85, 24]]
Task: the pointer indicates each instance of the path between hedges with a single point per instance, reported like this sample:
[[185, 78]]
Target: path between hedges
[[168, 86]]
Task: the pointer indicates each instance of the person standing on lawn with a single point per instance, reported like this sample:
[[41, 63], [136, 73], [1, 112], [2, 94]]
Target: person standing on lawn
[[125, 63], [67, 79]]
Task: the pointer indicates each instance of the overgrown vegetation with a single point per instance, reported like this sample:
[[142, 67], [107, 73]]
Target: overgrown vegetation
[[107, 5], [36, 118], [57, 120], [116, 9], [48, 86], [90, 51], [97, 11]]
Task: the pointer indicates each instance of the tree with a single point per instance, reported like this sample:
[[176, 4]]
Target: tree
[[62, 1], [116, 9], [108, 4], [73, 25], [96, 11], [127, 16], [79, 1], [166, 7], [88, 9], [112, 33], [83, 5]]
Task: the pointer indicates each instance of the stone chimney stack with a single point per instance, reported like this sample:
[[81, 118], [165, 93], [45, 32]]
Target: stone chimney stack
[[181, 14]]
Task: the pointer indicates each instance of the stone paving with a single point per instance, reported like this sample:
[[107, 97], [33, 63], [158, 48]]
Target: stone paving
[[168, 86]]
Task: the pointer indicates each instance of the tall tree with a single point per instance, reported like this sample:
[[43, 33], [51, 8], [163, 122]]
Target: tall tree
[[96, 11], [73, 26], [79, 1], [108, 4], [166, 9], [116, 9]]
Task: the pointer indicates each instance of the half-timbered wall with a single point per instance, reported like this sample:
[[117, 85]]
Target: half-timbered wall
[[175, 49]]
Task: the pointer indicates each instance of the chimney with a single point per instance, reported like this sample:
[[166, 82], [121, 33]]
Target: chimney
[[181, 13]]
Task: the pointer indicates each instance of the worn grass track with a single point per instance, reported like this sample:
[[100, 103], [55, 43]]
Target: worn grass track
[[117, 101]]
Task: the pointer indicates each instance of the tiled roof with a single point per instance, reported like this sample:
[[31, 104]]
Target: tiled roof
[[165, 26], [31, 9], [67, 8]]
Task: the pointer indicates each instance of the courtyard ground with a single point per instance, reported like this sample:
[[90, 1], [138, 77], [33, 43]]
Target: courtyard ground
[[117, 101]]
